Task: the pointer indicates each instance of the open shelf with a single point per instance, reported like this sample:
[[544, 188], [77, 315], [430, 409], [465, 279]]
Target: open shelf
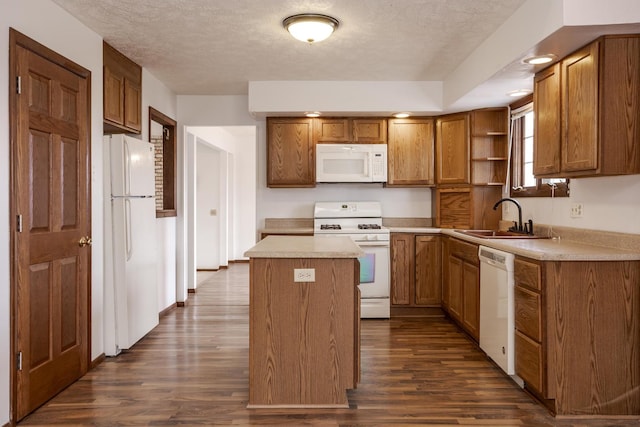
[[489, 146]]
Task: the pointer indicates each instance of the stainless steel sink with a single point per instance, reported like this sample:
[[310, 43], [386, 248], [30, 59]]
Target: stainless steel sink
[[498, 234]]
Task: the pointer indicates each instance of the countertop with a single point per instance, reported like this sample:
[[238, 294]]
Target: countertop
[[574, 244], [551, 249], [304, 247]]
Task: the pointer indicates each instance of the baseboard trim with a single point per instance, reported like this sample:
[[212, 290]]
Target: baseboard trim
[[167, 310], [239, 261], [191, 291], [416, 312], [181, 303], [97, 361]]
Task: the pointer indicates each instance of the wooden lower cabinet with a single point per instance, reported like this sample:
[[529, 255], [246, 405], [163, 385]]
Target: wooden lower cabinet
[[415, 270], [471, 299], [577, 343], [461, 284], [428, 283], [304, 337]]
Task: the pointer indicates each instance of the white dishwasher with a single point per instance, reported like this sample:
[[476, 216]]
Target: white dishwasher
[[497, 328]]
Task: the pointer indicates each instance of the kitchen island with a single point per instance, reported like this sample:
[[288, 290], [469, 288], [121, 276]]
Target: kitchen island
[[304, 322]]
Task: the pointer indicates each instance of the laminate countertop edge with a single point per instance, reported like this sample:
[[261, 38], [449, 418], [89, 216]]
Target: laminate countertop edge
[[305, 247], [550, 249]]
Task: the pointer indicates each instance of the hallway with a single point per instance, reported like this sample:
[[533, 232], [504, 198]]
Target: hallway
[[193, 370]]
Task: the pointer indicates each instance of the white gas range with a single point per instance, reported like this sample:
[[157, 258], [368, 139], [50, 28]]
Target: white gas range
[[362, 221]]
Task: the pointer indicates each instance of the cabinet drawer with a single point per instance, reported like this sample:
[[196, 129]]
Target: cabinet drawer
[[527, 274], [527, 313], [464, 250], [529, 361]]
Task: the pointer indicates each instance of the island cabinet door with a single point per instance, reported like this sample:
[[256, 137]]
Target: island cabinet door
[[302, 335]]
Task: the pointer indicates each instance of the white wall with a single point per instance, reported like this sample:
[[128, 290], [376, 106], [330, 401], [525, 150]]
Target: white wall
[[609, 204], [158, 96]]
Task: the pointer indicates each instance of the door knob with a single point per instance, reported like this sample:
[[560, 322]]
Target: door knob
[[84, 241]]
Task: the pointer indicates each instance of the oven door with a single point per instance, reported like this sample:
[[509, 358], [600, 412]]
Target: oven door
[[374, 270]]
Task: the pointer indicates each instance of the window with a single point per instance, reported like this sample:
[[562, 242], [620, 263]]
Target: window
[[162, 133], [523, 182]]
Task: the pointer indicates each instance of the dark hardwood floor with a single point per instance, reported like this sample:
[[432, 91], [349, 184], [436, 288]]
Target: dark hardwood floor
[[192, 370]]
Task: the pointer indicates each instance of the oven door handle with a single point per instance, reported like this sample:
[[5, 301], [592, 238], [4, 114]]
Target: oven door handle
[[378, 243]]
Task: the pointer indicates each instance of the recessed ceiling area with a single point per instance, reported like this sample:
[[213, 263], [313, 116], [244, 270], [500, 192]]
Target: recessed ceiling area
[[216, 47]]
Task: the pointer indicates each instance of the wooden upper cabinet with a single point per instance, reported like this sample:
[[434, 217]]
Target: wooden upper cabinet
[[113, 96], [586, 111], [332, 130], [579, 97], [350, 130], [452, 149], [369, 131], [122, 92], [411, 152], [546, 102], [290, 152]]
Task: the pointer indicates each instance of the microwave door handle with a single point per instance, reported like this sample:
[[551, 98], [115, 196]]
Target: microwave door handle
[[367, 161]]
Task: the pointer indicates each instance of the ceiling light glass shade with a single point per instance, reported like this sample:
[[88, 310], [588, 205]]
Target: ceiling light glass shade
[[540, 59], [401, 115], [310, 27], [519, 92]]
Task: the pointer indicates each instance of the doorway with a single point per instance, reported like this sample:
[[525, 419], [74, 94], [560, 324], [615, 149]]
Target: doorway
[[229, 193], [51, 235]]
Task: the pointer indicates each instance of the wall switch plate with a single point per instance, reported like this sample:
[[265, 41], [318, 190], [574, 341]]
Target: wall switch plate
[[304, 274], [213, 212], [576, 210]]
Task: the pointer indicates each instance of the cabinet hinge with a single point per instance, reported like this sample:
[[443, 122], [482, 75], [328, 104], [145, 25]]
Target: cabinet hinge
[[19, 361], [19, 85], [19, 223]]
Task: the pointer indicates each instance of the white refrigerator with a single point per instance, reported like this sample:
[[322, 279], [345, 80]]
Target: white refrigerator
[[131, 301]]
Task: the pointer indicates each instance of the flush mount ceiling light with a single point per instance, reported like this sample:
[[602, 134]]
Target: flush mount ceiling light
[[313, 114], [310, 27], [539, 59], [401, 115]]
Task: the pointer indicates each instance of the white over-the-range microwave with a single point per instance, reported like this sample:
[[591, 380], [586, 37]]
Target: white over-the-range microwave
[[351, 162]]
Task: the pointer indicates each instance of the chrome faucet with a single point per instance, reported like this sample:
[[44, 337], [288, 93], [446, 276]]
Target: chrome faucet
[[519, 228]]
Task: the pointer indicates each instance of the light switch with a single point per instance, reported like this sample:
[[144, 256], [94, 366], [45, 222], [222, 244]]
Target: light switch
[[213, 212]]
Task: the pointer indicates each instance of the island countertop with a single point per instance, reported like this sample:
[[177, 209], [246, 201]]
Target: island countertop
[[305, 247]]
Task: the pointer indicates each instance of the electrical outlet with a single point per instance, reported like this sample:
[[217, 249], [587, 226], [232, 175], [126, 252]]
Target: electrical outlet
[[576, 210], [304, 274]]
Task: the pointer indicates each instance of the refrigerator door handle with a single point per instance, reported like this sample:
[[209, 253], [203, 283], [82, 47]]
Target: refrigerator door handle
[[127, 168], [127, 229]]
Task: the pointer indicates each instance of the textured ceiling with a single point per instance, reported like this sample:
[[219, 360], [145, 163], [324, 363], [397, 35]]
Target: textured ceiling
[[215, 47]]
